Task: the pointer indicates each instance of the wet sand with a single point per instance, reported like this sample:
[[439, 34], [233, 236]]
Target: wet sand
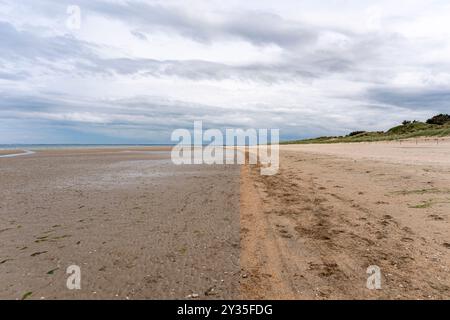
[[13, 153], [138, 226], [333, 210]]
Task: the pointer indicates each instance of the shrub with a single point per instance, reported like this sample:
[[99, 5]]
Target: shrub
[[355, 133], [440, 119]]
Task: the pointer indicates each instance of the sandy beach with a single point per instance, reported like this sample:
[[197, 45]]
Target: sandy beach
[[311, 231], [138, 226]]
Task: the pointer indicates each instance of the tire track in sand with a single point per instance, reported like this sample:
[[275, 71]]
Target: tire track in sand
[[263, 267]]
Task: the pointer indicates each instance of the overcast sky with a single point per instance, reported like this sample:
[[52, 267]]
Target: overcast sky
[[136, 70]]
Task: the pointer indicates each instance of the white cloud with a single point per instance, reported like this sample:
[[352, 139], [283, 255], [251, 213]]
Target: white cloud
[[305, 67]]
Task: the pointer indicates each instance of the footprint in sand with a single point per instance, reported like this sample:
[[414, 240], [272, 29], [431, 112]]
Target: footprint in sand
[[283, 232]]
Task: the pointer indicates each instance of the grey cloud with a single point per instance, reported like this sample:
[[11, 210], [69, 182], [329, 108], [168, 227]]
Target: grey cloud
[[141, 113], [437, 99], [23, 44], [204, 70], [139, 35], [14, 102], [262, 28], [65, 49], [358, 56], [259, 28], [145, 114], [14, 76], [256, 27]]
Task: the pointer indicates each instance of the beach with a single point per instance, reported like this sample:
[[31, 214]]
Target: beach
[[312, 231], [140, 227]]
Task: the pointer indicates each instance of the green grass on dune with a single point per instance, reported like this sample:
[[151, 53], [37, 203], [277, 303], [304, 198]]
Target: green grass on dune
[[407, 131]]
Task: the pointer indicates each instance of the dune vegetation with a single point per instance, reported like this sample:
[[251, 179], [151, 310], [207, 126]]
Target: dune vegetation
[[437, 126]]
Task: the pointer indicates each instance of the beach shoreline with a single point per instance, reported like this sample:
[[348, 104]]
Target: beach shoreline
[[14, 153]]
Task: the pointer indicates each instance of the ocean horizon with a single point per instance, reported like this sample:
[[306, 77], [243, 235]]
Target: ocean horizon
[[75, 145]]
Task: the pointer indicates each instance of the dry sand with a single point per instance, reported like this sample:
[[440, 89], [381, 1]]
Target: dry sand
[[137, 225], [311, 231]]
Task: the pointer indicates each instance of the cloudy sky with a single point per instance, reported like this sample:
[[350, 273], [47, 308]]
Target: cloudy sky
[[136, 70]]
